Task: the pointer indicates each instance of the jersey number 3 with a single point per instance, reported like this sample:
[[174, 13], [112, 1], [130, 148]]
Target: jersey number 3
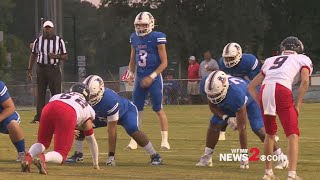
[[278, 62], [143, 58]]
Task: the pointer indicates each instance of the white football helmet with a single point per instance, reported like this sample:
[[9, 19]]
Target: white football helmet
[[96, 88], [143, 23], [231, 54], [216, 86]]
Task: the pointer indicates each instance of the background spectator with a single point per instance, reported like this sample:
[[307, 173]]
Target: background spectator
[[170, 89], [193, 80], [207, 65]]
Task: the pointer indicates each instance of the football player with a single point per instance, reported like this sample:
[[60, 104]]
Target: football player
[[278, 75], [238, 64], [9, 121], [230, 102], [60, 117], [115, 110], [147, 61]]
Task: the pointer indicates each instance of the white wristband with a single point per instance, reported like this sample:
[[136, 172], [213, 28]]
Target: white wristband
[[153, 75], [224, 117]]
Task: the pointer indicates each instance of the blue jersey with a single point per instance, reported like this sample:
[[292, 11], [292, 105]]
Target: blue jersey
[[4, 95], [146, 50], [111, 104], [248, 66], [237, 95]]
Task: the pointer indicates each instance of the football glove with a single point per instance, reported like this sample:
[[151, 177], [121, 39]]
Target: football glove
[[232, 121]]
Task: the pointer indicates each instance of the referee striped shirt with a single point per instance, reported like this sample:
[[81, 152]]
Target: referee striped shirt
[[43, 46]]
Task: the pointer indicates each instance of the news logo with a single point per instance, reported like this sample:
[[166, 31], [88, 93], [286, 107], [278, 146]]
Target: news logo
[[248, 155]]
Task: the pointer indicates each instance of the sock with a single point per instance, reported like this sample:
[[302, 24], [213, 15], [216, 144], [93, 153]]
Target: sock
[[292, 174], [36, 149], [268, 171], [278, 152], [222, 133], [149, 148], [53, 156], [20, 145], [78, 146], [208, 151], [164, 135]]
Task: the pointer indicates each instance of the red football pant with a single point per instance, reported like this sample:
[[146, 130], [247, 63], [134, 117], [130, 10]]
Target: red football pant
[[285, 110], [57, 118]]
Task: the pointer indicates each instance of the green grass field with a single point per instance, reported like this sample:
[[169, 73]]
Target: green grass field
[[188, 125]]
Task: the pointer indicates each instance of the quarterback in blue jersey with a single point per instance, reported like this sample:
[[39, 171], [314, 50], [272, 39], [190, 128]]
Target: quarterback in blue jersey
[[9, 121], [112, 109], [147, 61], [231, 103]]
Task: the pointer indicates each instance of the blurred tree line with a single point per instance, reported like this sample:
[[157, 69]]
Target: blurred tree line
[[192, 26]]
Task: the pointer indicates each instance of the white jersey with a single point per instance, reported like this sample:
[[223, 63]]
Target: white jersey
[[285, 69], [83, 110]]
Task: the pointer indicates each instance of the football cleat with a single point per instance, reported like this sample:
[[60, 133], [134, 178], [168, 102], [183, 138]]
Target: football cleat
[[76, 157], [41, 164], [26, 163], [155, 160], [244, 164], [294, 178], [270, 177], [222, 136], [165, 146], [132, 145], [111, 161], [283, 163], [20, 156], [205, 161]]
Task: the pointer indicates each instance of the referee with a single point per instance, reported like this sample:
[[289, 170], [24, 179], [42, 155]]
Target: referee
[[48, 49]]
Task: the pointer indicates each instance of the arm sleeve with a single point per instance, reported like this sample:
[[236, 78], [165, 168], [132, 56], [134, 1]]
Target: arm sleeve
[[94, 150], [161, 38], [306, 63], [255, 69], [4, 94], [113, 111]]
